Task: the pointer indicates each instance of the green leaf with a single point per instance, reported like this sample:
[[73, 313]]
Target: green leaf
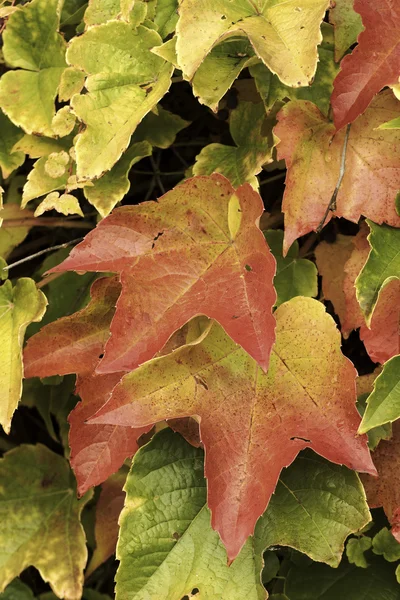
[[166, 16], [125, 81], [386, 545], [166, 536], [10, 235], [17, 591], [347, 582], [41, 183], [355, 549], [398, 574], [254, 145], [383, 404], [294, 276], [9, 136], [271, 567], [37, 146], [160, 128], [348, 25], [284, 33], [19, 306], [271, 89], [33, 45], [110, 189], [376, 434], [382, 266], [40, 520], [393, 124]]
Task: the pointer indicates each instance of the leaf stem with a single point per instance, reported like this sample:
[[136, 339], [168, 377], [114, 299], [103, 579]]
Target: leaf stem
[[41, 252]]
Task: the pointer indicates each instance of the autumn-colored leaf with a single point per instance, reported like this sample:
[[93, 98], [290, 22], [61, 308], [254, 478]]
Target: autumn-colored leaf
[[198, 250], [313, 154], [97, 451], [252, 424], [385, 490], [73, 344], [373, 64]]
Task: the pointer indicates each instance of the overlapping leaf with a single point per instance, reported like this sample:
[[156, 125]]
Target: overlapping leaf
[[347, 23], [252, 424], [197, 250], [313, 154], [284, 34], [383, 405], [373, 64]]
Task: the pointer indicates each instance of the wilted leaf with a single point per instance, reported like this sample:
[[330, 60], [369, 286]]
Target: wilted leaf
[[385, 490], [294, 276], [372, 65], [40, 520], [125, 81], [73, 344], [108, 509], [254, 144], [20, 305], [34, 47], [271, 89], [313, 153], [252, 424], [197, 250], [383, 404], [284, 34], [348, 25]]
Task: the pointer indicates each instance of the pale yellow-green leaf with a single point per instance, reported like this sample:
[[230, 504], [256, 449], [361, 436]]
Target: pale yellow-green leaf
[[9, 136], [101, 11], [254, 145], [56, 164], [65, 204], [40, 183], [167, 51], [271, 89], [283, 33], [348, 25], [125, 81], [11, 234], [72, 82], [63, 121], [110, 189], [19, 306], [36, 146], [33, 46], [40, 517]]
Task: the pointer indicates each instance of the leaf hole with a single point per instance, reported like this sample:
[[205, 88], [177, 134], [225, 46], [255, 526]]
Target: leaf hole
[[296, 437], [195, 591], [101, 355], [156, 238], [248, 268], [223, 17]]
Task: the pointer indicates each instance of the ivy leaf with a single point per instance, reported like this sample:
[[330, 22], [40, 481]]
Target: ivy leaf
[[20, 305], [65, 204], [372, 65], [383, 543], [125, 81], [200, 248], [110, 189], [98, 451], [160, 128], [249, 130], [34, 47], [294, 276], [189, 554], [346, 582], [108, 509], [270, 27], [72, 82], [166, 16], [385, 490], [40, 182], [9, 136], [299, 403], [376, 434], [355, 549], [73, 343], [383, 404], [101, 11], [382, 267], [313, 153], [347, 25], [40, 520], [271, 89]]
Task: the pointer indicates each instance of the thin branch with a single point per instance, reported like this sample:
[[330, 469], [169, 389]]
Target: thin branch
[[274, 178], [46, 222], [332, 203], [41, 252]]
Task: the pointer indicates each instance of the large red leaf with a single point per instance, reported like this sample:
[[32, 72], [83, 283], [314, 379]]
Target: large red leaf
[[198, 250], [385, 490], [373, 64], [73, 344], [252, 424], [313, 153], [98, 451]]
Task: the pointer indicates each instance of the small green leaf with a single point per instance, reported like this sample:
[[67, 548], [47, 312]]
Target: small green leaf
[[9, 136], [33, 45], [382, 266], [355, 549], [271, 567], [386, 545], [348, 25], [376, 434], [159, 128], [19, 306], [393, 124], [17, 591], [294, 276], [40, 520], [383, 404]]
